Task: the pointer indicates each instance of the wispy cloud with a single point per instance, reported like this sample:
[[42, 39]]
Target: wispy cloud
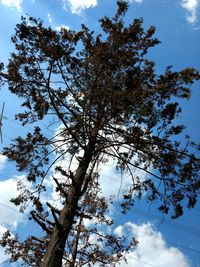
[[191, 6], [77, 6], [17, 4], [152, 249]]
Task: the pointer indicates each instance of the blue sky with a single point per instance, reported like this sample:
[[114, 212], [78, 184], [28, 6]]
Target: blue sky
[[162, 242]]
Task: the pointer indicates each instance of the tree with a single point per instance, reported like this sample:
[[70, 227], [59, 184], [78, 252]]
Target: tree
[[112, 105]]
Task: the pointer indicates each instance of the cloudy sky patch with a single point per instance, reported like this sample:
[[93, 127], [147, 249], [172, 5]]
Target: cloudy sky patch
[[17, 4], [152, 249], [77, 6], [9, 212], [3, 160], [191, 7]]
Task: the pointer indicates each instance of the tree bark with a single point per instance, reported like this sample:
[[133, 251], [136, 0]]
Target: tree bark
[[54, 254]]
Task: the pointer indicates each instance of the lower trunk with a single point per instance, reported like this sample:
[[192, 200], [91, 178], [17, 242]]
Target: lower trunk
[[54, 254]]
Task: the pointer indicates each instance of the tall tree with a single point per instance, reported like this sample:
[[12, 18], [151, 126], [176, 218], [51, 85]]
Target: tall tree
[[111, 105]]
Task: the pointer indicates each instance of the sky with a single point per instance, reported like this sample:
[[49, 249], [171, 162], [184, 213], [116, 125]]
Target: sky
[[162, 242]]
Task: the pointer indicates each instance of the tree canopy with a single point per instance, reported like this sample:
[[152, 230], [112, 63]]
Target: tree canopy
[[110, 104]]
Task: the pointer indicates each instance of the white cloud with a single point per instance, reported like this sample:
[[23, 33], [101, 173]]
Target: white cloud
[[12, 4], [111, 182], [77, 6], [10, 215], [3, 160], [57, 28], [9, 212], [152, 249], [60, 27], [49, 18], [191, 6]]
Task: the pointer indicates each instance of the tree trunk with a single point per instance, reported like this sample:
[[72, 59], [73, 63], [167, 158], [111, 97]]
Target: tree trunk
[[54, 254]]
